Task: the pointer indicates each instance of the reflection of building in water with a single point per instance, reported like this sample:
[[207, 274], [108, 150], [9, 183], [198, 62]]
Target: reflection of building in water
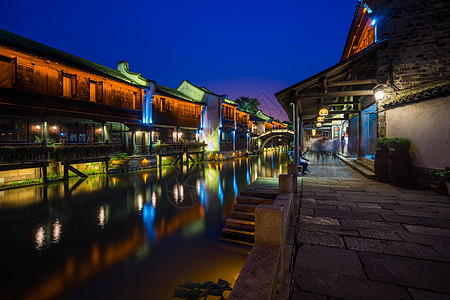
[[166, 226], [79, 267]]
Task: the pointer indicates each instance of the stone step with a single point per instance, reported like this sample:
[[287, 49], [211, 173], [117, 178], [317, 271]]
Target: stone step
[[240, 224], [246, 207], [361, 170], [365, 163], [259, 194], [253, 200], [243, 215], [239, 235]]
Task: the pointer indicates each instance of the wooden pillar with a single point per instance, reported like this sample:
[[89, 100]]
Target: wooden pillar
[[360, 130], [296, 131]]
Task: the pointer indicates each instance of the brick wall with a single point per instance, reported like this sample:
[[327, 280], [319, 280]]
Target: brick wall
[[418, 36]]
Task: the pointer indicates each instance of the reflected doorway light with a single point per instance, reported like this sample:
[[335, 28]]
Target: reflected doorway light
[[154, 199], [56, 231], [101, 216], [39, 238], [140, 201]]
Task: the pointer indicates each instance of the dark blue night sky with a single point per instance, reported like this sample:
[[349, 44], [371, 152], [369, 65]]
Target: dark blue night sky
[[238, 48]]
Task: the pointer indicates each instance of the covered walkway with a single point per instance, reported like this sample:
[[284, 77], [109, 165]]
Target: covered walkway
[[356, 238]]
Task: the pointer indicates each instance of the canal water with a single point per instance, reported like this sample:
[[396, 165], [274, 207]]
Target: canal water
[[128, 236]]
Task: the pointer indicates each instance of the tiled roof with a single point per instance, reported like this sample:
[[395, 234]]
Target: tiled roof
[[167, 91], [426, 91], [20, 43]]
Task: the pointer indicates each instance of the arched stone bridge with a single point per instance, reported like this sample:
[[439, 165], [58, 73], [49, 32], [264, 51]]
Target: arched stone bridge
[[264, 138]]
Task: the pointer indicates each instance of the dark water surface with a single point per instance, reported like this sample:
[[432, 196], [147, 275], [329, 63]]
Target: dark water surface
[[129, 236]]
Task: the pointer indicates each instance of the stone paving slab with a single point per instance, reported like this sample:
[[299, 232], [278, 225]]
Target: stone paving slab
[[410, 272], [357, 238]]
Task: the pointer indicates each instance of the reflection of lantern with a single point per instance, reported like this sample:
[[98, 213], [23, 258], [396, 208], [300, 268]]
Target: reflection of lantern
[[313, 132], [323, 112], [318, 124], [320, 119]]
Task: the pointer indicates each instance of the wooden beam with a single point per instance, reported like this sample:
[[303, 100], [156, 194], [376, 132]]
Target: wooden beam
[[339, 94], [343, 103], [338, 112], [349, 82]]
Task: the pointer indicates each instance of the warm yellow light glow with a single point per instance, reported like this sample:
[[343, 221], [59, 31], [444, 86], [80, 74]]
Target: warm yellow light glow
[[38, 127], [56, 232], [323, 112], [138, 132], [54, 127], [313, 132], [318, 124], [320, 119], [100, 130]]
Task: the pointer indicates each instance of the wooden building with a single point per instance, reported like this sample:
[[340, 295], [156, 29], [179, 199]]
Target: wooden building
[[50, 95], [175, 117]]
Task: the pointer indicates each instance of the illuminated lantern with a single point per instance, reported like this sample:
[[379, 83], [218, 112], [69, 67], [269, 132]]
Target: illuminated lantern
[[379, 95], [323, 112], [320, 119], [318, 124], [313, 132]]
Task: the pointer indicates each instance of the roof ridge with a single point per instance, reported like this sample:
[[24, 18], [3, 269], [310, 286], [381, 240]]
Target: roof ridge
[[21, 43]]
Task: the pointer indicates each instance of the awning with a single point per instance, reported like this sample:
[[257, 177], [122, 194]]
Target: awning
[[343, 88]]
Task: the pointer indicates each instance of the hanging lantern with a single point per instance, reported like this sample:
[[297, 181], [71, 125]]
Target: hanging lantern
[[318, 124], [320, 119], [323, 112], [313, 132]]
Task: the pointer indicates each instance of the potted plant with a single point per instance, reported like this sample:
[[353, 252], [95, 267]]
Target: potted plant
[[443, 177], [399, 161], [381, 160]]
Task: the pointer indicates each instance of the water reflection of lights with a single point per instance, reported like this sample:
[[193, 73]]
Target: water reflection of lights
[[101, 216], [39, 238], [148, 216], [178, 193], [154, 199], [140, 201], [56, 232], [220, 191]]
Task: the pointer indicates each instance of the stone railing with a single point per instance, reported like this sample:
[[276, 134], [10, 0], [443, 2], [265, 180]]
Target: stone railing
[[261, 275]]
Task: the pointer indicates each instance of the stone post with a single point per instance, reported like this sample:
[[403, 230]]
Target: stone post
[[285, 184], [293, 170]]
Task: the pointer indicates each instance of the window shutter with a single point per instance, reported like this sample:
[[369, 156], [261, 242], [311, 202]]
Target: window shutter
[[74, 85], [14, 70], [60, 83], [100, 92]]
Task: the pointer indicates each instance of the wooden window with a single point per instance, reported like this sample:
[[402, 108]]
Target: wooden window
[[92, 91], [67, 84]]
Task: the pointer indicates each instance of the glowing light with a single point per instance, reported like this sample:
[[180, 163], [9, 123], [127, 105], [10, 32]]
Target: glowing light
[[39, 238], [100, 130], [38, 127], [148, 216], [56, 232], [54, 127], [101, 216], [140, 201], [154, 199], [373, 22], [323, 112], [320, 119], [318, 124], [379, 95], [313, 132]]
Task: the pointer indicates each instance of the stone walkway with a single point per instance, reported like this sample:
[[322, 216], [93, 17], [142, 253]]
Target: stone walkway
[[356, 238]]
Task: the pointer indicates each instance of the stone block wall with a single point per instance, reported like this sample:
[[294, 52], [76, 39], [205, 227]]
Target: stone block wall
[[418, 36], [7, 177]]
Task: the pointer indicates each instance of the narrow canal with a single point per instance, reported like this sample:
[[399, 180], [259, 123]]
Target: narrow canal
[[130, 236]]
